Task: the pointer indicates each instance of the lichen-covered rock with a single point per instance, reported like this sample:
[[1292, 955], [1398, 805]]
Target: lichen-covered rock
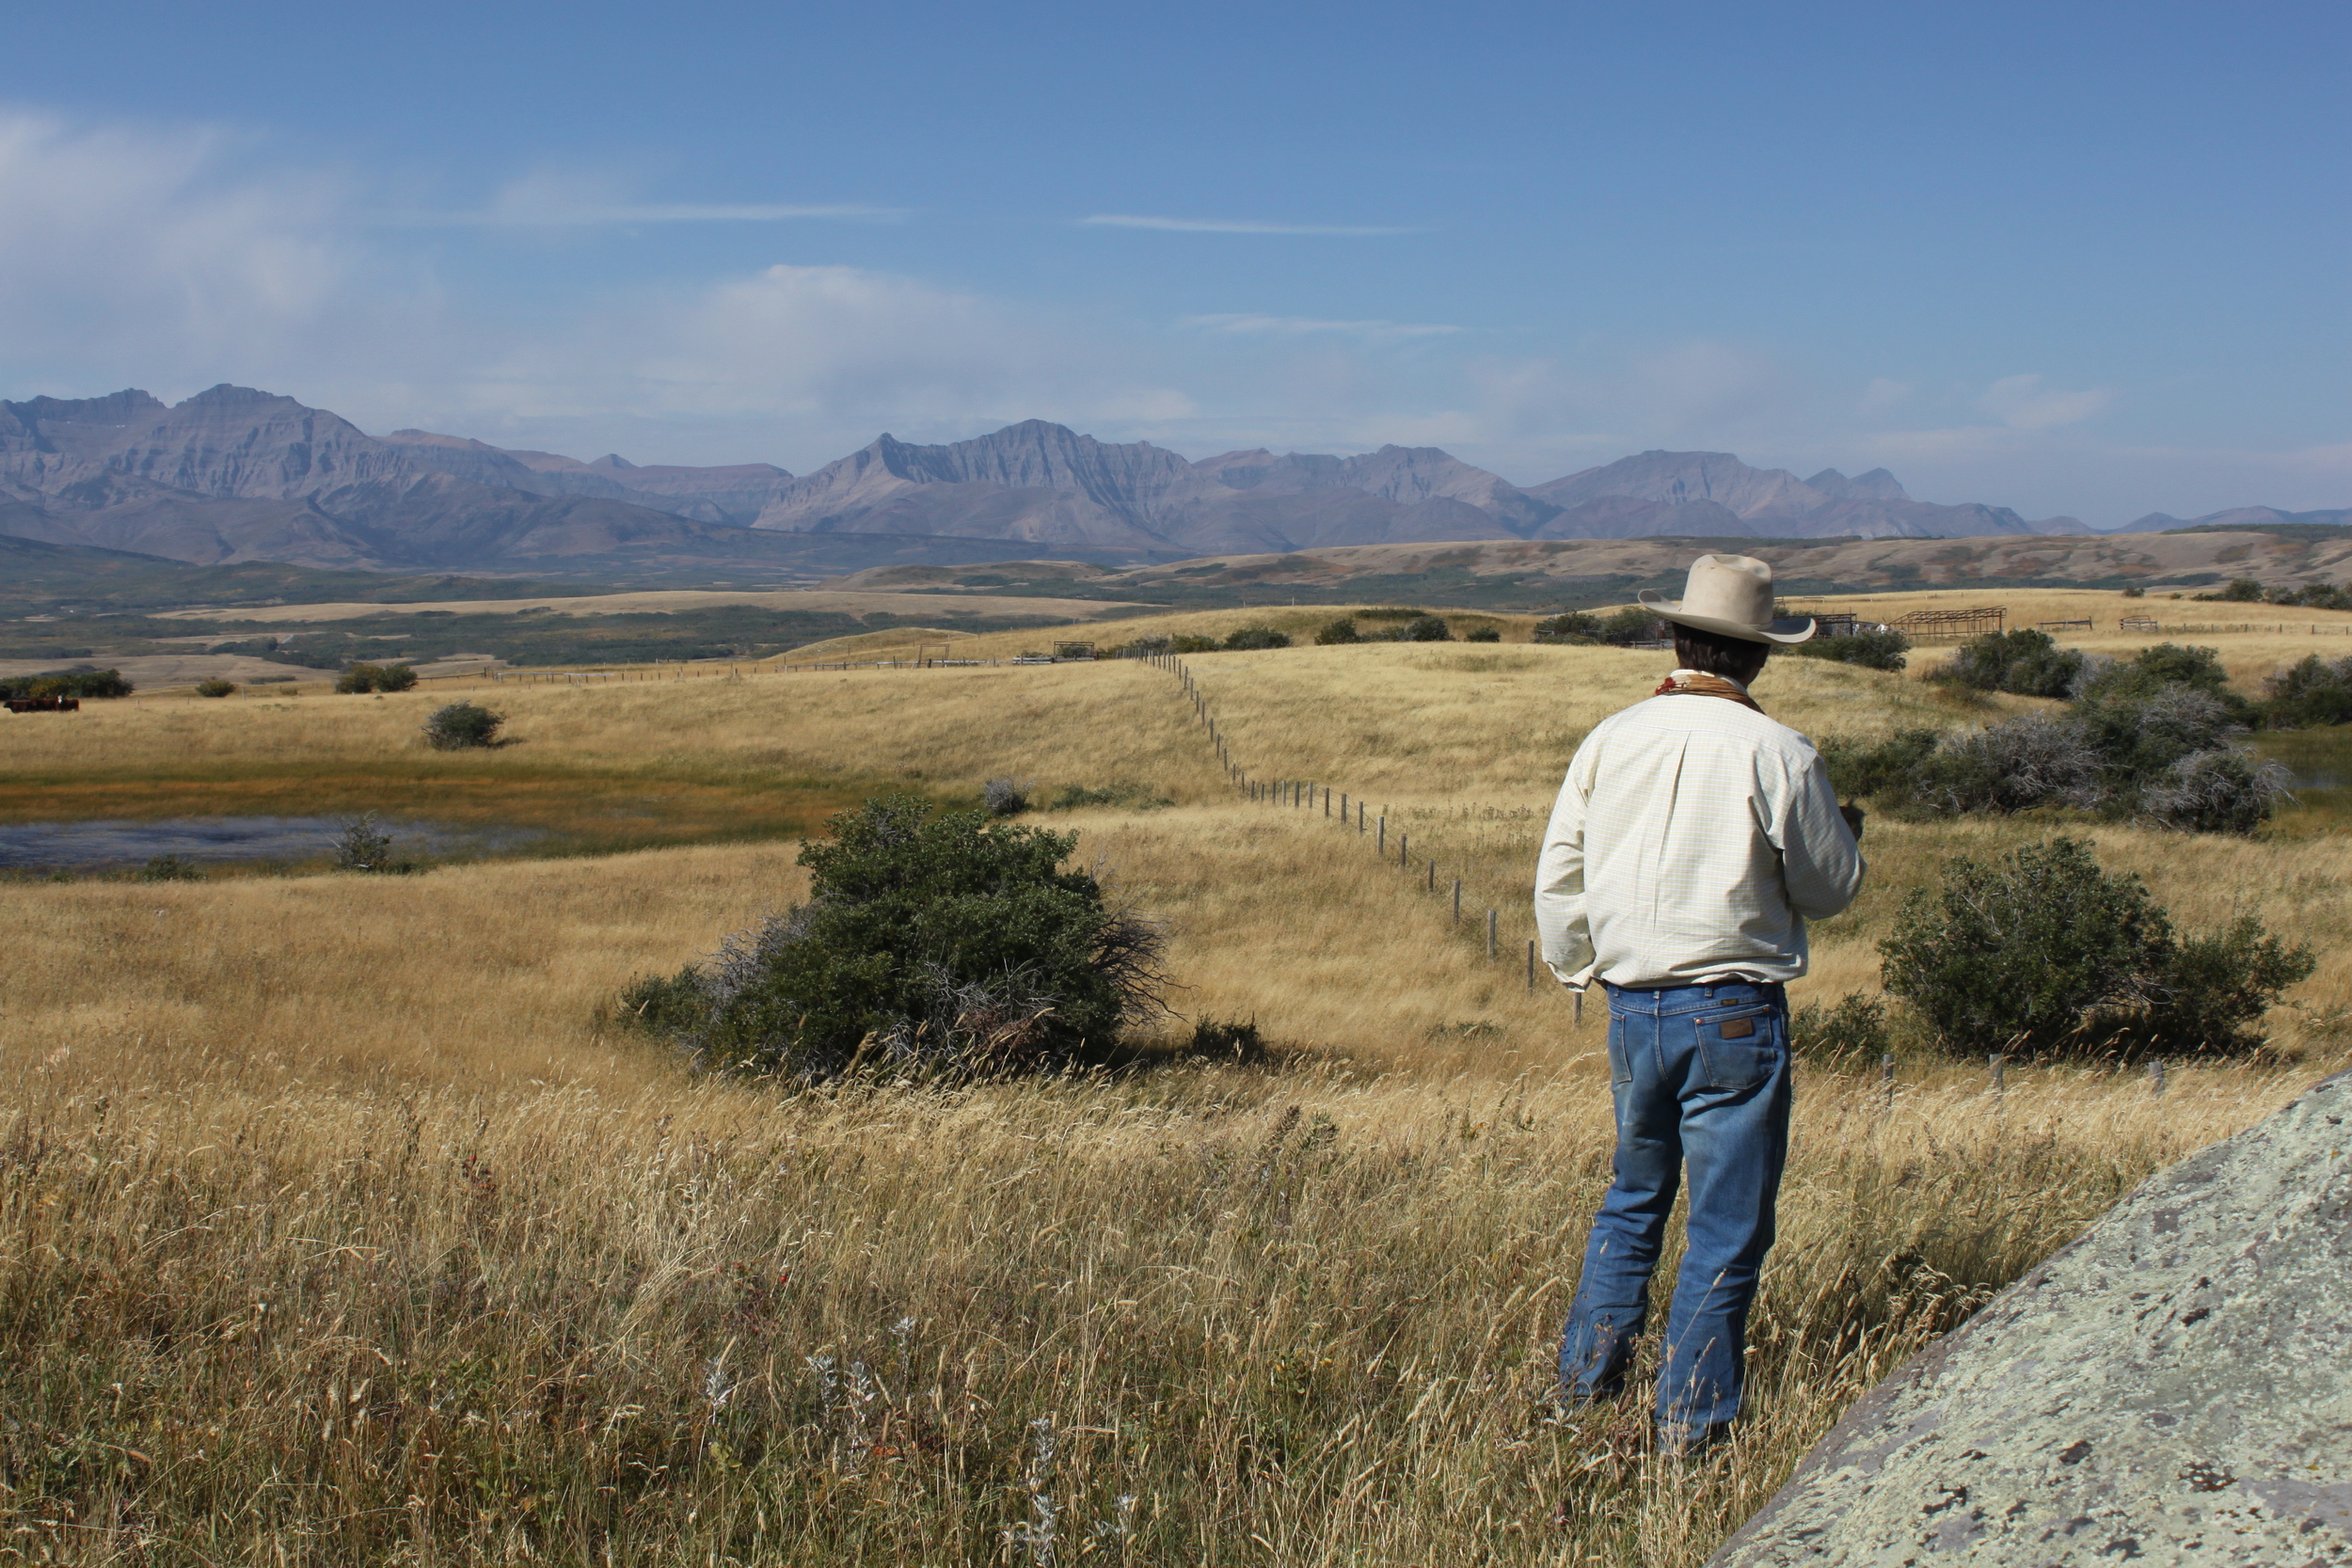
[[2174, 1387]]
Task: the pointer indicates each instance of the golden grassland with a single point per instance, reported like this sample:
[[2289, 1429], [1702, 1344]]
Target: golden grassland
[[345, 1222]]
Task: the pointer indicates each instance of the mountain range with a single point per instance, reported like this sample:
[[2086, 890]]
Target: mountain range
[[233, 474]]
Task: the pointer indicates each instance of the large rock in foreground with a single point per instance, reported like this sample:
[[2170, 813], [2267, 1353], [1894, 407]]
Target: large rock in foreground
[[2175, 1387]]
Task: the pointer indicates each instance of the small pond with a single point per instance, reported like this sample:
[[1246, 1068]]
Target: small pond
[[228, 840]]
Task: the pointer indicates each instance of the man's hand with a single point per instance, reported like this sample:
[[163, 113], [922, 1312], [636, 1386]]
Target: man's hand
[[1852, 813]]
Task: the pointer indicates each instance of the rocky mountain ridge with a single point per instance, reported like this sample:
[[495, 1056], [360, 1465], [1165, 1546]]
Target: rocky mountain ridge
[[234, 474]]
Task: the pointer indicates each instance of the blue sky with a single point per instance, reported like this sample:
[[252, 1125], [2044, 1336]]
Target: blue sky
[[2077, 258]]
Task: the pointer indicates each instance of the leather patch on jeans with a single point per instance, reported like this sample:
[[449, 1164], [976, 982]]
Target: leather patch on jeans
[[1737, 1028]]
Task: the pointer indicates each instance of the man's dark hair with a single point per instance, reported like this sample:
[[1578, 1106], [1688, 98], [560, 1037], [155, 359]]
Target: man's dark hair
[[1712, 653]]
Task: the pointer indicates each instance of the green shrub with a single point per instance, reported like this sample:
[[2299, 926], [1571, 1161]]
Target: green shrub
[[1635, 625], [664, 1005], [2309, 693], [1886, 768], [1873, 650], [1185, 642], [1391, 612], [1003, 798], [1482, 634], [1135, 797], [2024, 662], [1339, 632], [1225, 1040], [363, 847], [2168, 664], [171, 868], [2241, 591], [66, 683], [377, 677], [215, 687], [1849, 1033], [2134, 592], [461, 726], [2314, 596], [2042, 953], [1252, 638], [1574, 626], [932, 945]]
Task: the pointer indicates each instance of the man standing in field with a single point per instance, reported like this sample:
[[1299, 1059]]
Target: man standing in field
[[1693, 839]]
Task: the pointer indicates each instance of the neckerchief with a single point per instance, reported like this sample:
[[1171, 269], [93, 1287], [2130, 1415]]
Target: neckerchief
[[1696, 684]]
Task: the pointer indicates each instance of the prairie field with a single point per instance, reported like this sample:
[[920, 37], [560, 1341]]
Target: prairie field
[[348, 1222]]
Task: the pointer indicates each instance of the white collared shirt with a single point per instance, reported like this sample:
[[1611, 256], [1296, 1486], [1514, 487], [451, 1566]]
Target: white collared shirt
[[1693, 839]]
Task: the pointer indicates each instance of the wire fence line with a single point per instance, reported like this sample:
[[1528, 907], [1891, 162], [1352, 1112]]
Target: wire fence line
[[1350, 812]]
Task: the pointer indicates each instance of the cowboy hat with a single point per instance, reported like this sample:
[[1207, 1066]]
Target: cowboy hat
[[1731, 594]]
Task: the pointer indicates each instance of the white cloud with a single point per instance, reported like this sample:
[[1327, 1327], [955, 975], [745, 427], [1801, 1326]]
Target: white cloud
[[1237, 226], [2022, 402], [144, 253], [1298, 327], [569, 200], [1882, 396]]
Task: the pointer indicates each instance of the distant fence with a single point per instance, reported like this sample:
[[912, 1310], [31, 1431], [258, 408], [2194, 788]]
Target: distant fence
[[1951, 626]]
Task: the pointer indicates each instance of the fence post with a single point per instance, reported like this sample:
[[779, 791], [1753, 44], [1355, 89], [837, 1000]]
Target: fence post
[[1995, 1063], [1458, 901], [1403, 851], [1380, 841], [2155, 1079], [1326, 803], [1343, 805], [1531, 968], [1359, 816], [1490, 934], [1886, 1080]]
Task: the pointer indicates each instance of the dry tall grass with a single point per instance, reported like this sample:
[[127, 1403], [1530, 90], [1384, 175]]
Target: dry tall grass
[[341, 1228]]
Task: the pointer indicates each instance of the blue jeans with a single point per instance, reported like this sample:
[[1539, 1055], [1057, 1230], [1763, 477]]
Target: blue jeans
[[1700, 1075]]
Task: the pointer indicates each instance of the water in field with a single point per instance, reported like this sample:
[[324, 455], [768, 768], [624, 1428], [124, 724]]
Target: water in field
[[231, 840], [2319, 771]]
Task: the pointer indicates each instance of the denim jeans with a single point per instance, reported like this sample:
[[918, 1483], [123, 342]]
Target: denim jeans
[[1700, 1074]]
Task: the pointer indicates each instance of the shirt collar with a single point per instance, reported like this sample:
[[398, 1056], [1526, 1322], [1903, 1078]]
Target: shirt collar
[[1725, 679]]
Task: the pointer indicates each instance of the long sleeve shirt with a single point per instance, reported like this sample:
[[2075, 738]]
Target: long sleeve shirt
[[1693, 839]]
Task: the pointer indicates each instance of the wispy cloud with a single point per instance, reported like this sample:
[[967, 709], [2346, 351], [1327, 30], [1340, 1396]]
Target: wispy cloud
[[2023, 402], [1302, 327], [1238, 226], [621, 215]]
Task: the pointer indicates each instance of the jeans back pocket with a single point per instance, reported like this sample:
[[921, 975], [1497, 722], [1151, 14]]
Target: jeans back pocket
[[1741, 1045]]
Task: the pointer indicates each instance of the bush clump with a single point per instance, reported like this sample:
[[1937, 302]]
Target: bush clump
[[171, 868], [215, 686], [2308, 694], [1574, 626], [1252, 638], [1338, 633], [1185, 642], [2043, 953], [377, 677], [461, 726], [2154, 737], [1872, 649], [66, 683], [1482, 634], [2025, 663], [2314, 595], [1852, 1033], [933, 944], [1005, 797], [363, 847], [1135, 797]]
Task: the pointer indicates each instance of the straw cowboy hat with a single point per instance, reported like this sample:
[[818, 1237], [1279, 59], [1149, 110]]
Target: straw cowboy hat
[[1731, 594]]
